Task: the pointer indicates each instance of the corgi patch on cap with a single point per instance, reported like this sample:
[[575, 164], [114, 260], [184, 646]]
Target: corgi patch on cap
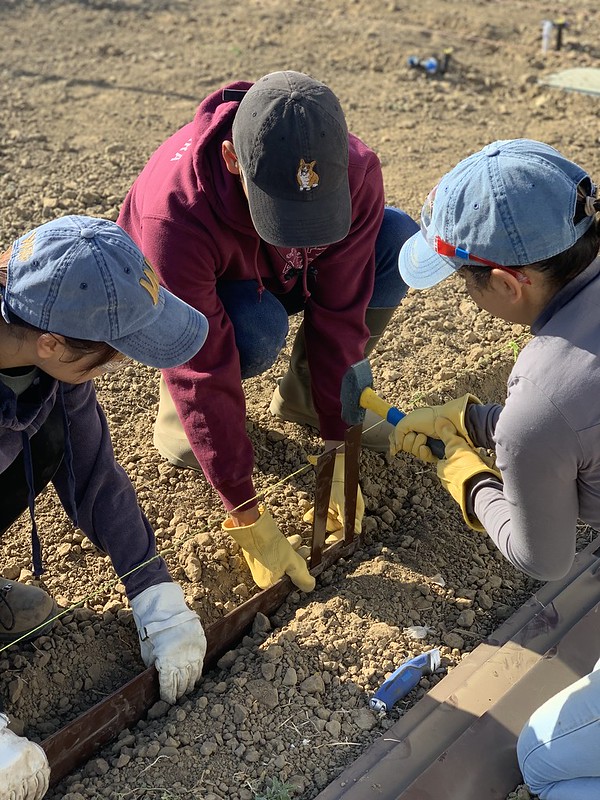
[[306, 176]]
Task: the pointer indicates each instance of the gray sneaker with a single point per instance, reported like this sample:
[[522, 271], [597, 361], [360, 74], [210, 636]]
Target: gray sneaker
[[24, 610]]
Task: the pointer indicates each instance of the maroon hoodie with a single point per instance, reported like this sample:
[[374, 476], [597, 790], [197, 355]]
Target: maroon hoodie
[[191, 219]]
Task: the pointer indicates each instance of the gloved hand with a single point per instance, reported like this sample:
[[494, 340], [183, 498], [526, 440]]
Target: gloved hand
[[410, 434], [24, 768], [269, 554], [460, 465], [171, 636], [335, 513]]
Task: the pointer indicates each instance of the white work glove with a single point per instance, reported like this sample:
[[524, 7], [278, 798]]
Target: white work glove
[[24, 768], [171, 636]]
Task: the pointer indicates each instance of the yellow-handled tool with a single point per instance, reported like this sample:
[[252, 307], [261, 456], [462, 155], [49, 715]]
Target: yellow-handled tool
[[357, 395]]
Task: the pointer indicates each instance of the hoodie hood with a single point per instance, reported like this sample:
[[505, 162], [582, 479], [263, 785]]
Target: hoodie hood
[[210, 128]]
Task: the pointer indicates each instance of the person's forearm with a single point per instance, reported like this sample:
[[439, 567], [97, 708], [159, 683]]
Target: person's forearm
[[246, 517], [480, 422]]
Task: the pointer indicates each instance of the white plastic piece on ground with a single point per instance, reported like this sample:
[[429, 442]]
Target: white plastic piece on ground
[[417, 631]]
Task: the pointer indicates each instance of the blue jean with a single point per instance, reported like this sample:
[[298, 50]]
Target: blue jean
[[261, 324], [559, 746]]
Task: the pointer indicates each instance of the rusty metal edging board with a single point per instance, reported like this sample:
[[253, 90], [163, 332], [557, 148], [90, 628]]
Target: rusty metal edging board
[[324, 472], [77, 741], [410, 759]]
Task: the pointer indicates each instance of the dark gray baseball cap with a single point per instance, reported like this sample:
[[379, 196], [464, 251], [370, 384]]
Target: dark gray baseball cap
[[291, 140]]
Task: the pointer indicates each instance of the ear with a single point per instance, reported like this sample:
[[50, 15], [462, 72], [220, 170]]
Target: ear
[[50, 345], [230, 157], [506, 285]]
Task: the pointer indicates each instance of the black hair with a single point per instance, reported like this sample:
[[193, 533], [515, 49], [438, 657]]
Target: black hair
[[559, 269], [81, 347], [563, 267]]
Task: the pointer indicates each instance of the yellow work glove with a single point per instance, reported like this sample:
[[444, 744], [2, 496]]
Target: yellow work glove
[[458, 467], [410, 434], [269, 554], [335, 513]]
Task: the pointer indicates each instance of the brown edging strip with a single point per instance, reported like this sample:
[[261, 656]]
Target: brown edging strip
[[459, 740], [76, 742]]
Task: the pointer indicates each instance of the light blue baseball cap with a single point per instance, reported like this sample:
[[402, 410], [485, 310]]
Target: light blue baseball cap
[[510, 204], [86, 278]]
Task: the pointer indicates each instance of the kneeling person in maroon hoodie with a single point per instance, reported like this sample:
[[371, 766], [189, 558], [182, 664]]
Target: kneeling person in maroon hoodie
[[262, 207]]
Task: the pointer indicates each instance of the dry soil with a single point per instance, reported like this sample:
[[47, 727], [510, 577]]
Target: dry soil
[[91, 87]]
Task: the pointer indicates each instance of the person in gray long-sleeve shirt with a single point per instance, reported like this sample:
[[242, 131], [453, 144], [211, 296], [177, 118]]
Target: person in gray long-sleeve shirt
[[520, 223]]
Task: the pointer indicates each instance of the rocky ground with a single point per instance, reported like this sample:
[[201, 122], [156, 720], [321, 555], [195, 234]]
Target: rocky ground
[[91, 87]]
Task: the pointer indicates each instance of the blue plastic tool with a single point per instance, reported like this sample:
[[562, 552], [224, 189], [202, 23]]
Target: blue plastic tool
[[405, 678], [432, 65]]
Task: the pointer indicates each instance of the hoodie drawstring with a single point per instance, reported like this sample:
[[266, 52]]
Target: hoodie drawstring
[[305, 290], [68, 459], [36, 547]]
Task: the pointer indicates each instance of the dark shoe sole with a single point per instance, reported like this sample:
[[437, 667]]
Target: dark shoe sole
[[10, 637]]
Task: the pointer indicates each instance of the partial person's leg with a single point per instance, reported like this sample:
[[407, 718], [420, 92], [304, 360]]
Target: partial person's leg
[[292, 399], [260, 325], [24, 609], [559, 745]]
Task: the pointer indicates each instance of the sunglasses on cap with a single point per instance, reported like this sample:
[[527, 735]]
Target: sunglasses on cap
[[460, 255]]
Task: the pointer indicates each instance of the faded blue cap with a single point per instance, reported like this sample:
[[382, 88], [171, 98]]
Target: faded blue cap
[[510, 204], [86, 278]]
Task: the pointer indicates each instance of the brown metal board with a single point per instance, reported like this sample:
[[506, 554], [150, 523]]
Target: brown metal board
[[76, 742], [428, 730]]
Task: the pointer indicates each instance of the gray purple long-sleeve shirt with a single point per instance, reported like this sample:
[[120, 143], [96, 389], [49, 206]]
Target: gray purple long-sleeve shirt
[[104, 500], [546, 437]]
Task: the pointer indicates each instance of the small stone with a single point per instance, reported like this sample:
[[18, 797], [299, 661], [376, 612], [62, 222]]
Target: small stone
[[264, 693], [98, 766], [466, 618], [152, 750], [251, 755], [268, 671], [274, 653], [290, 678], [365, 720], [261, 623], [314, 684], [227, 660], [453, 640], [159, 709]]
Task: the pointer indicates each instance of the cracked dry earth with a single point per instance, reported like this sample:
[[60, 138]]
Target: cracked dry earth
[[91, 87]]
